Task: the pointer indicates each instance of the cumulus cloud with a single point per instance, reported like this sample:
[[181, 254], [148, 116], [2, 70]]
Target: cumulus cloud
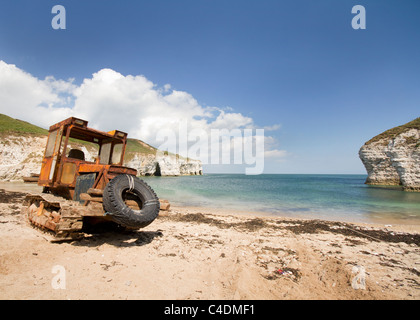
[[28, 98], [110, 100]]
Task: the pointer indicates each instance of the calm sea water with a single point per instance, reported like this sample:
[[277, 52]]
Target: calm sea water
[[332, 197]]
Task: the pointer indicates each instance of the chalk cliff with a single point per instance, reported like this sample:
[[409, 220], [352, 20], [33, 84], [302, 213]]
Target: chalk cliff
[[22, 147], [393, 157], [169, 165]]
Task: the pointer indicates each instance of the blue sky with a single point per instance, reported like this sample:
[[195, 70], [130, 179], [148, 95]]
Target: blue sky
[[296, 65]]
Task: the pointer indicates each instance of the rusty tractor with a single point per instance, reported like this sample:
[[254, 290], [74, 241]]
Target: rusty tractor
[[79, 192]]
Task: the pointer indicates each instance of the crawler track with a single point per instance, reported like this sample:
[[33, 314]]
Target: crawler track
[[60, 218]]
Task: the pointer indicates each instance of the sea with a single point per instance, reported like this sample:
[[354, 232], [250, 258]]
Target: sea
[[313, 196]]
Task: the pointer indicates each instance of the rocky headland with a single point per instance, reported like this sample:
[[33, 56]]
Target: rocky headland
[[393, 157]]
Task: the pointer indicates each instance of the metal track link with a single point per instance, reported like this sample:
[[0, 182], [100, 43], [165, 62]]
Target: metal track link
[[54, 215]]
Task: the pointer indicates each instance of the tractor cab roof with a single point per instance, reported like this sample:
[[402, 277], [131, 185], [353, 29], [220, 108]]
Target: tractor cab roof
[[79, 130]]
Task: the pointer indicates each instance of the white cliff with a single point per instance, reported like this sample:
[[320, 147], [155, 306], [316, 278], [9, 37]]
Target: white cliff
[[164, 165], [393, 157], [21, 156]]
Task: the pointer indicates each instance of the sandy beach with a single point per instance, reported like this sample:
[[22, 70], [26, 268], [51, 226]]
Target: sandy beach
[[201, 253]]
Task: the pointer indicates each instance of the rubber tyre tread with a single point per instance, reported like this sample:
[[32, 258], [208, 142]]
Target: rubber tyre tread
[[123, 215]]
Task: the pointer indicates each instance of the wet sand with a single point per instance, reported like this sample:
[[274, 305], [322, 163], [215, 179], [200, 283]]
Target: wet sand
[[202, 253]]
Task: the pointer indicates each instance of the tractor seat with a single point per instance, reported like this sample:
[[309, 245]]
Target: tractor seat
[[76, 154]]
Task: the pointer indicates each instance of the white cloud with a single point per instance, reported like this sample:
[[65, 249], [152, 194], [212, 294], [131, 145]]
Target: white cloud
[[272, 128], [28, 98], [276, 154], [231, 121], [110, 100]]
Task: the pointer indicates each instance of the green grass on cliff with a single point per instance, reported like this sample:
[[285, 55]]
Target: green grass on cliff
[[392, 133], [9, 125], [134, 145]]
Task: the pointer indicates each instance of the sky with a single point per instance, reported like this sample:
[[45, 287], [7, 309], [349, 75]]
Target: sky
[[297, 69]]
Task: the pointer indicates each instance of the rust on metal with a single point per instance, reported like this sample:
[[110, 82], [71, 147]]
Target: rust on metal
[[61, 168]]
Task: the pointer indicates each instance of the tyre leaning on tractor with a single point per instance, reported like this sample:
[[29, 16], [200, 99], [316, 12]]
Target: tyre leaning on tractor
[[115, 207]]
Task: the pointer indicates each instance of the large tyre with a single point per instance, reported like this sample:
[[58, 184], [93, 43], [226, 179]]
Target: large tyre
[[128, 187]]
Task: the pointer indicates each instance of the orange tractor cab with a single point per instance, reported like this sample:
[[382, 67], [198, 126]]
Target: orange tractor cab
[[62, 166]]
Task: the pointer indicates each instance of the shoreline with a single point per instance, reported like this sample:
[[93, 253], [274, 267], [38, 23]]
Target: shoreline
[[405, 225], [204, 254], [386, 224]]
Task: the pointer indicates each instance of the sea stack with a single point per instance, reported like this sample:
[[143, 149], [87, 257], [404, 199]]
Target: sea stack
[[393, 157]]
